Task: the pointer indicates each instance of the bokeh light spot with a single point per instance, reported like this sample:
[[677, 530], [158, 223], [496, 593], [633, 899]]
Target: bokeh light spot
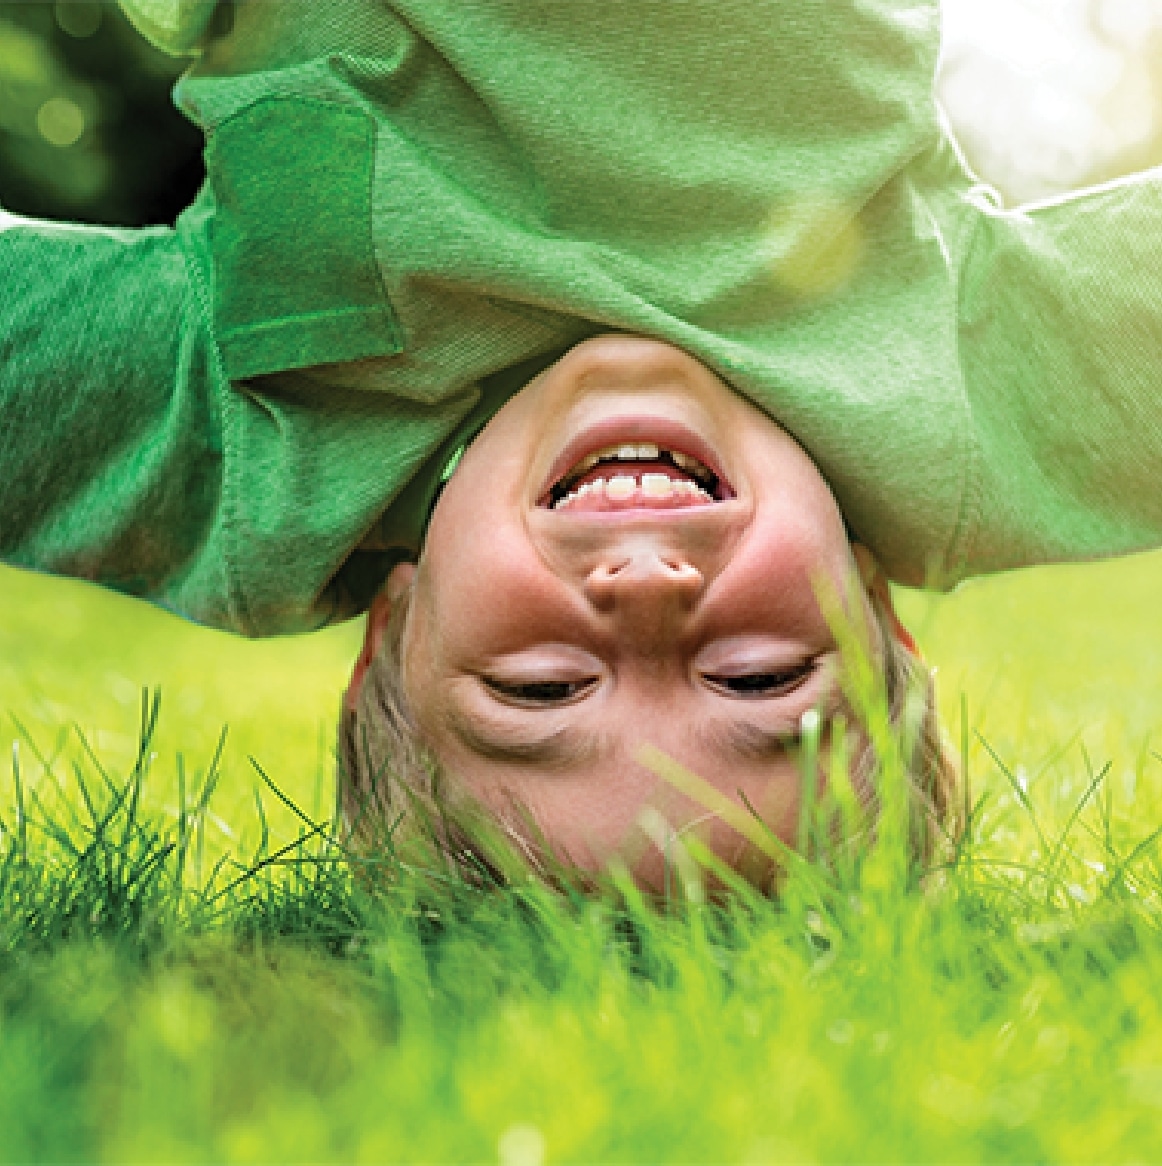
[[1128, 20], [521, 1145], [24, 59], [78, 18], [61, 122]]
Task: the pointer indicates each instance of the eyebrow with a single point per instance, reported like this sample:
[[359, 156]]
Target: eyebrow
[[760, 743], [558, 749], [746, 739]]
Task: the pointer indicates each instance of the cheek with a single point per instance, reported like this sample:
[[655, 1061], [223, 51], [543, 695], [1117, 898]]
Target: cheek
[[778, 572], [490, 593]]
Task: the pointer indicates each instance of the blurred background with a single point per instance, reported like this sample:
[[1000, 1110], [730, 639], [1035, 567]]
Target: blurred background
[[87, 128], [1044, 95], [1049, 95]]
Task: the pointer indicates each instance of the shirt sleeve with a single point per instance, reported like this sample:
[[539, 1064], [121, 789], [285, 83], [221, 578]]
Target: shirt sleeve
[[111, 460], [1060, 333]]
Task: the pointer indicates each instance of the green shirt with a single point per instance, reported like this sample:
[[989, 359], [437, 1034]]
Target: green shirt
[[411, 204]]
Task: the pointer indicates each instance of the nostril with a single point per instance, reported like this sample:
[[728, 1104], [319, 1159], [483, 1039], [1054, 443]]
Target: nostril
[[644, 578], [611, 570], [601, 584]]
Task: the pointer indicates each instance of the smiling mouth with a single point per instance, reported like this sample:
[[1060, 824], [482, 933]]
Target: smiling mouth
[[636, 475]]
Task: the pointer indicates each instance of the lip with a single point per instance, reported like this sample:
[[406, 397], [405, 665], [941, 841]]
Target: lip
[[661, 431]]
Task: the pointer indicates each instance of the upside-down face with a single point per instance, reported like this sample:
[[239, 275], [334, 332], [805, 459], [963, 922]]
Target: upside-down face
[[628, 554]]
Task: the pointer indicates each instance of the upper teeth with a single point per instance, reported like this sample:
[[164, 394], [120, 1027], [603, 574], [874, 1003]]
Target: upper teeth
[[656, 486], [622, 487]]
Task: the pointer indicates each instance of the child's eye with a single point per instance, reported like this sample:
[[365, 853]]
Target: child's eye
[[755, 685], [540, 692]]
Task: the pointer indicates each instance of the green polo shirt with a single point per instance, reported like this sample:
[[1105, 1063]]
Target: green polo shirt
[[411, 205]]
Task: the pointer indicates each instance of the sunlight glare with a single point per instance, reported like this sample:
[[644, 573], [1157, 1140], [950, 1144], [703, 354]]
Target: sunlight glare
[[1043, 94]]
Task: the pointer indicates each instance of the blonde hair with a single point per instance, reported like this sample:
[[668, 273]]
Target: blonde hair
[[388, 777]]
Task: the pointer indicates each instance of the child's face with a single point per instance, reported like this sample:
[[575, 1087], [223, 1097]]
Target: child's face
[[548, 641]]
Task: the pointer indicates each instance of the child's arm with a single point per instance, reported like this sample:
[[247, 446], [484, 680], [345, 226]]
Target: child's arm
[[130, 458], [1061, 348], [110, 433]]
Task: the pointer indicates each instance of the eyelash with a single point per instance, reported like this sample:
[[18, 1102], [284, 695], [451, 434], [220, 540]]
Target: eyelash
[[748, 686], [756, 685], [541, 692]]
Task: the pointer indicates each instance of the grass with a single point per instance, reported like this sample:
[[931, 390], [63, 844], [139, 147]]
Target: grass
[[189, 973]]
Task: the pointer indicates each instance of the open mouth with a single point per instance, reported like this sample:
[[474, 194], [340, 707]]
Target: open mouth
[[636, 475]]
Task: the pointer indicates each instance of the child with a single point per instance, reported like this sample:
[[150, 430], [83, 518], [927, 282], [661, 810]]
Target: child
[[415, 208], [628, 552]]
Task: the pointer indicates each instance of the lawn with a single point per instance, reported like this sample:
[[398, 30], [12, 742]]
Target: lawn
[[173, 990]]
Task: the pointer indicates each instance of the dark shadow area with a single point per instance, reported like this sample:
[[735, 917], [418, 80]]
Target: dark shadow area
[[88, 130]]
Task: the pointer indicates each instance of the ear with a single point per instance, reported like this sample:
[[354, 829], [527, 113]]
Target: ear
[[378, 615], [875, 582]]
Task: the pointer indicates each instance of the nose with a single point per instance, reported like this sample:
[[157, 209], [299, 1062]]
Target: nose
[[648, 592]]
